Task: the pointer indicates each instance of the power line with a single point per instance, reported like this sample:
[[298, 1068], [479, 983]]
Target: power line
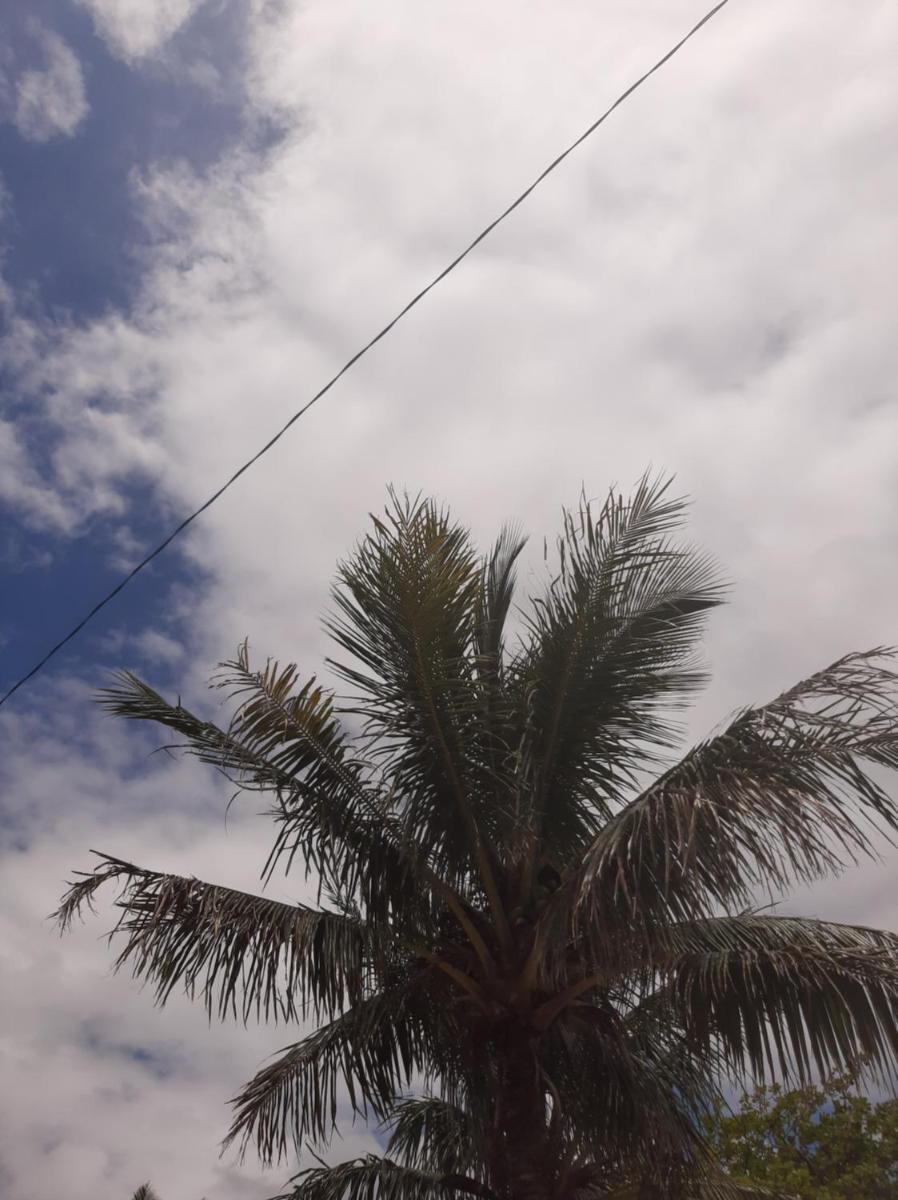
[[123, 583]]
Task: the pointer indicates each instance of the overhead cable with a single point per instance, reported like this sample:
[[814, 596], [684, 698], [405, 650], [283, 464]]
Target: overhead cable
[[145, 562]]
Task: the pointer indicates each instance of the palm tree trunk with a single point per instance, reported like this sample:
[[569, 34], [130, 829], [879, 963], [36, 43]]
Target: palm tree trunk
[[523, 1166]]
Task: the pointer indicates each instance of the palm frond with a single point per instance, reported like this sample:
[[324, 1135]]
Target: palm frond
[[432, 1135], [784, 994], [144, 1192], [373, 1050], [630, 1091], [494, 598], [786, 793], [375, 1178], [333, 818], [288, 746], [610, 650], [243, 955], [405, 602], [135, 700], [749, 932], [498, 735], [291, 724], [285, 740]]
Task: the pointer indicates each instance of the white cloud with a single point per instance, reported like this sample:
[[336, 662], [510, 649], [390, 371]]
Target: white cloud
[[71, 432], [159, 647], [705, 286], [114, 1117], [664, 298], [136, 29], [50, 100]]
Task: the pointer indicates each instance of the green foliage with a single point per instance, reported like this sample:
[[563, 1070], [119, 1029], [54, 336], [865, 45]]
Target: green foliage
[[531, 960], [819, 1142]]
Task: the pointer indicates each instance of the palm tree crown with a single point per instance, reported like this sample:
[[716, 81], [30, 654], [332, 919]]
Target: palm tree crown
[[534, 957]]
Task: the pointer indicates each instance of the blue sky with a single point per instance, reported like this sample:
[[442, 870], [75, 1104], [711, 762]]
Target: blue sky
[[76, 237], [73, 250], [208, 205]]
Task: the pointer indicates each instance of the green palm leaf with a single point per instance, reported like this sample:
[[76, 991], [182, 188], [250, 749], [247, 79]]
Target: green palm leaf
[[432, 1135], [406, 602], [494, 599], [288, 744], [373, 1050], [498, 736], [788, 792], [374, 1178], [609, 651], [783, 995], [244, 955]]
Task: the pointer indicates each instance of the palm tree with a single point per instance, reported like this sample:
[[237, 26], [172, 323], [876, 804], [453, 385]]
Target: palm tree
[[534, 957]]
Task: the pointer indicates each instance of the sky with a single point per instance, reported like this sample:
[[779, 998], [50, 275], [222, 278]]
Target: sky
[[205, 207]]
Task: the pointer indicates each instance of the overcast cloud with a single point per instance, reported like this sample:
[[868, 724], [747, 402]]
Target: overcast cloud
[[135, 29], [708, 287]]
